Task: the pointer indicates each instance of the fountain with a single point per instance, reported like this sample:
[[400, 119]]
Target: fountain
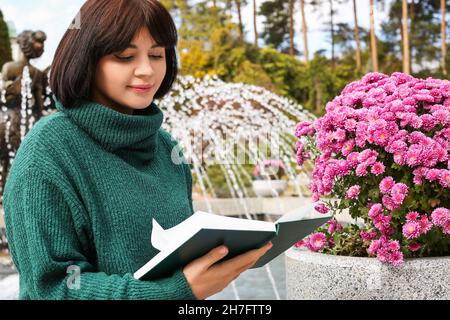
[[234, 126]]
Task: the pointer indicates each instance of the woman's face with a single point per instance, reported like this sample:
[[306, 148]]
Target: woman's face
[[128, 80]]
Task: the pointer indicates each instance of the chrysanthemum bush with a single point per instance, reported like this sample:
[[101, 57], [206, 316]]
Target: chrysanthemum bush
[[382, 152]]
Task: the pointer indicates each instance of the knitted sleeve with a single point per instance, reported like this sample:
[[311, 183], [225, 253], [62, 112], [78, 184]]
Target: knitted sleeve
[[46, 242]]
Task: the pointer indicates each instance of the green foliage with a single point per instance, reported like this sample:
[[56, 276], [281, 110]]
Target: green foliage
[[347, 242], [5, 45], [252, 73]]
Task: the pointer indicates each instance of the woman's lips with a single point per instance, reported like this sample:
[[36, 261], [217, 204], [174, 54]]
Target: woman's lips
[[142, 88]]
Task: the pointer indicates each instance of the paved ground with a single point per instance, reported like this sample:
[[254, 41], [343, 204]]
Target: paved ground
[[255, 284], [9, 287], [9, 280]]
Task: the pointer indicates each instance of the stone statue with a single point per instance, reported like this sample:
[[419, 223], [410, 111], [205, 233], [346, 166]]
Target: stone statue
[[32, 46]]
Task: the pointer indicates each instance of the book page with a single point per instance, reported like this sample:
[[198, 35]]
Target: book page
[[214, 221], [304, 212], [159, 238], [169, 238]]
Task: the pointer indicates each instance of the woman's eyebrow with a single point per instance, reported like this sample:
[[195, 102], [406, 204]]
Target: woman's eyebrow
[[133, 46]]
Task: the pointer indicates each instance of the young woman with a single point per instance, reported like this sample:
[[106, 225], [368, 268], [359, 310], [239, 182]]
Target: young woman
[[88, 179]]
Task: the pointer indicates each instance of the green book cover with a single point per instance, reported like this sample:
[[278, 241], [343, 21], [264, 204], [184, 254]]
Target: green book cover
[[201, 232]]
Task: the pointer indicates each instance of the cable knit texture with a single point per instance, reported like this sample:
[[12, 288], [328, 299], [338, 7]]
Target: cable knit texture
[[82, 191]]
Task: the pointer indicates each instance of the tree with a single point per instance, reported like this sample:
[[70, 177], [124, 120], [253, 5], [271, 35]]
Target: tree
[[276, 24], [304, 31], [424, 34], [406, 59], [331, 25], [358, 44], [5, 45], [255, 15], [239, 5], [332, 12], [443, 38], [291, 28], [373, 39]]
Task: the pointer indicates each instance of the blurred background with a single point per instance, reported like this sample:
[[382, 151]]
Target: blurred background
[[250, 70]]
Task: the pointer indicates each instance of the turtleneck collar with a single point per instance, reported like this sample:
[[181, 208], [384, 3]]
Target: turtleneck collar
[[130, 136]]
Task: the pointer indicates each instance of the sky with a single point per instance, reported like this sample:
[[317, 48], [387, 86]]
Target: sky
[[54, 16]]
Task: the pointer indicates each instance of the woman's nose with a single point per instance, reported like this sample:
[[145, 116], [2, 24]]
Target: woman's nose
[[144, 69]]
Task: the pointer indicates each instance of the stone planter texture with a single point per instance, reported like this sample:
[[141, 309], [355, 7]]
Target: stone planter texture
[[317, 276]]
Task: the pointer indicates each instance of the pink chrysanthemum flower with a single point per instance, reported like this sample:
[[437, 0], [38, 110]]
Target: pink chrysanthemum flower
[[348, 147], [396, 258], [378, 168], [374, 246], [446, 228], [332, 226], [321, 208], [300, 244], [425, 224], [317, 241], [381, 137], [440, 216], [389, 203], [412, 216], [361, 169], [386, 184], [375, 210], [352, 159], [433, 175], [411, 230], [444, 179], [353, 192], [368, 235], [400, 188], [413, 247]]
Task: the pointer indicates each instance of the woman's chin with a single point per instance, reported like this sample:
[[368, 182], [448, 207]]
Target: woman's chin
[[139, 104]]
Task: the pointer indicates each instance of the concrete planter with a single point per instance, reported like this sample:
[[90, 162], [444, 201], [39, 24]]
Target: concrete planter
[[269, 188], [319, 276]]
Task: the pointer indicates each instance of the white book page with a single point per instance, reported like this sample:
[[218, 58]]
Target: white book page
[[214, 221], [164, 239], [302, 213], [175, 236]]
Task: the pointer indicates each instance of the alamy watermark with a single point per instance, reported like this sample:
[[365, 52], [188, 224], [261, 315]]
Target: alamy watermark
[[242, 148], [74, 280], [374, 281], [76, 23]]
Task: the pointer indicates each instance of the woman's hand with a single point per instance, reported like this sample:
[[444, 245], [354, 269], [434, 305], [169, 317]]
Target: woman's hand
[[206, 279]]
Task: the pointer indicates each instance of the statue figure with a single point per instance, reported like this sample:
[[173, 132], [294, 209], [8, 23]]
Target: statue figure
[[32, 46]]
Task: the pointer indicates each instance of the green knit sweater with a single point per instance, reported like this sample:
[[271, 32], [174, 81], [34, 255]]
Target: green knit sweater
[[80, 196]]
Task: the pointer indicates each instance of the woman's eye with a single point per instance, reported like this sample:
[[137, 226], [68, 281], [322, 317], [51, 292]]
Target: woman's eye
[[124, 58], [129, 58]]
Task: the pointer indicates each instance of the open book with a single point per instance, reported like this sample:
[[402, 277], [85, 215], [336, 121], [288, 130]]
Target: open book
[[201, 232]]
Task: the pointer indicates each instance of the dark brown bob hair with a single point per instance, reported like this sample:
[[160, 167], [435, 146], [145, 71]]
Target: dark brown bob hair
[[103, 27]]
